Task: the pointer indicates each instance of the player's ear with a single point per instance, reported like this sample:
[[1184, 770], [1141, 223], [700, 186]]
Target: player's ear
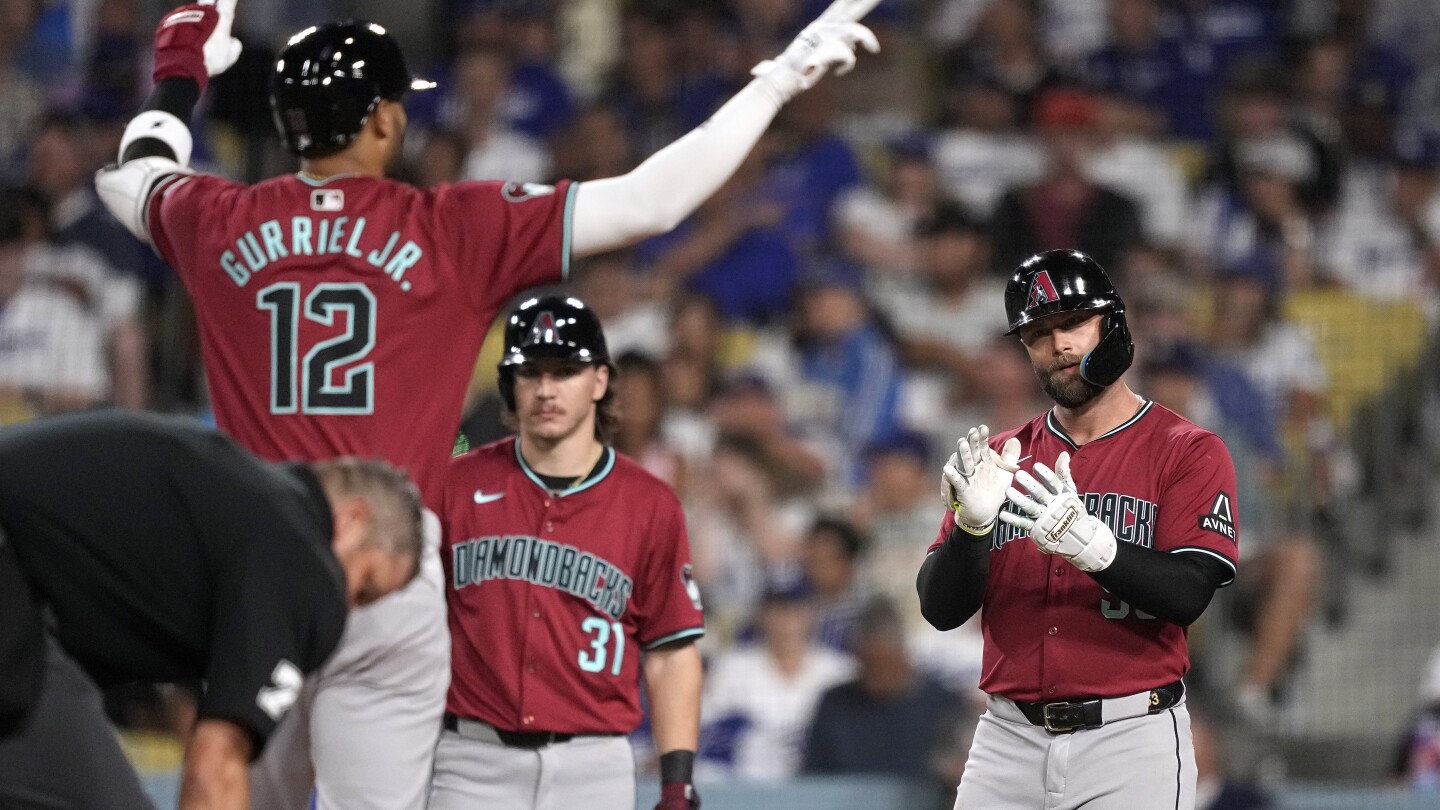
[[602, 381]]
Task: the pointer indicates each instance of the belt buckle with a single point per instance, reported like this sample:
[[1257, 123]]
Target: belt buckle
[[1061, 725]]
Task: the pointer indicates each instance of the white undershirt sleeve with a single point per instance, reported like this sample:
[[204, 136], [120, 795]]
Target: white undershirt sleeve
[[658, 194]]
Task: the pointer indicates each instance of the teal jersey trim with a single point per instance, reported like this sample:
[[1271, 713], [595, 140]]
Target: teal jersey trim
[[313, 183], [609, 465], [567, 230]]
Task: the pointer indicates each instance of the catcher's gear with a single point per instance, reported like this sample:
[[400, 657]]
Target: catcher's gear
[[975, 478], [1069, 281], [551, 326], [194, 42], [1055, 517], [327, 81]]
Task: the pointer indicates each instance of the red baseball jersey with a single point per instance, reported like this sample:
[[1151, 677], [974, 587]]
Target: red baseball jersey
[[344, 317], [1051, 632], [553, 596]]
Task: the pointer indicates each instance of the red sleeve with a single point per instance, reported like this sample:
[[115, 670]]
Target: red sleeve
[[179, 207], [508, 236], [668, 601], [1197, 506]]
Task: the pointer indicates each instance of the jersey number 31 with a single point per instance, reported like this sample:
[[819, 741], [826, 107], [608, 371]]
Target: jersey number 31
[[329, 379]]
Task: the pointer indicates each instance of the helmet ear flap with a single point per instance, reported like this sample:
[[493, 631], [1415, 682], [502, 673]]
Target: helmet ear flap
[[1110, 358]]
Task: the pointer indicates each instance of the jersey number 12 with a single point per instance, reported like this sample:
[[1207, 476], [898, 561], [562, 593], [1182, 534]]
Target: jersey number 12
[[327, 379]]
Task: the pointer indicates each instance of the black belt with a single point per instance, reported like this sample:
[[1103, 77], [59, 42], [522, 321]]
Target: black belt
[[1065, 716], [516, 739]]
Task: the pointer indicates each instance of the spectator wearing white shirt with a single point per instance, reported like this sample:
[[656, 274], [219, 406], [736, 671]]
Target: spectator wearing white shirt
[[983, 153], [760, 699], [876, 222], [497, 152]]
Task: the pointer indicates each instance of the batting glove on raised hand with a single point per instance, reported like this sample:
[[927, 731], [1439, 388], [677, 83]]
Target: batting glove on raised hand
[[1055, 517], [194, 42], [975, 478], [823, 46]]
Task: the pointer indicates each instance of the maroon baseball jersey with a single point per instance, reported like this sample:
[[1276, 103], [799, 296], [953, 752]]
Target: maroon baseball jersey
[[553, 596], [345, 317], [1051, 632]]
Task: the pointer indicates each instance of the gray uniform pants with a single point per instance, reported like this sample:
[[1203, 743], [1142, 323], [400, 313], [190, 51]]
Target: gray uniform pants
[[65, 754], [362, 734], [476, 773], [1143, 763]]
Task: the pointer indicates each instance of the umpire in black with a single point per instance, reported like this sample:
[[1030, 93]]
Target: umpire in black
[[147, 548]]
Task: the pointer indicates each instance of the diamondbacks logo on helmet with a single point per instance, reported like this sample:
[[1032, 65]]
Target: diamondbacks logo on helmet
[[1042, 290], [543, 331]]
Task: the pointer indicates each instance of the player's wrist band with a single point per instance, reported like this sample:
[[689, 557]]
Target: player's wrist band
[[677, 766]]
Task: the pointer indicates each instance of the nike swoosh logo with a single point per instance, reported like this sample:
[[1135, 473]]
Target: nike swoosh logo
[[481, 497]]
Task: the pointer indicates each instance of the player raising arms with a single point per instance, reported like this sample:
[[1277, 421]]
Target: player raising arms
[[1121, 530], [569, 574], [341, 312]]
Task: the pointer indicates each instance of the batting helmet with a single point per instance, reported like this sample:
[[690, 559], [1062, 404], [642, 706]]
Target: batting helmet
[[329, 78], [551, 326], [1070, 281]]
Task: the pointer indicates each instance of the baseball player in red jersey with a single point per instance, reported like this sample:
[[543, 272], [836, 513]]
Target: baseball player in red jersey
[[569, 575], [1092, 537], [340, 313]]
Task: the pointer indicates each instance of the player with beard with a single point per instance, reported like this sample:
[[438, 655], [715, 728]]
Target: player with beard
[[1128, 510]]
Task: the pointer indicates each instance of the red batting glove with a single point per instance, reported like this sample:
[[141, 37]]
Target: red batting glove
[[678, 796], [194, 42]]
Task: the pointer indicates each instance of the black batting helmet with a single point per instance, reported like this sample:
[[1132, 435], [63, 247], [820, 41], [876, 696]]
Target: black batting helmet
[[329, 78], [551, 326], [1070, 281]]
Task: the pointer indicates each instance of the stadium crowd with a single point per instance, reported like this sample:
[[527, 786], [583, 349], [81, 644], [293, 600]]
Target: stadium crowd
[[797, 359]]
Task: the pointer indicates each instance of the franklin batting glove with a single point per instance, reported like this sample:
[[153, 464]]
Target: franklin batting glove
[[823, 46], [1055, 517]]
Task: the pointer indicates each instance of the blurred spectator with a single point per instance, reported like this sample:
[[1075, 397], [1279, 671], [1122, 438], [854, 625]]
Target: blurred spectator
[[595, 146], [496, 150], [691, 371], [876, 222], [983, 152], [830, 558], [1065, 208], [1281, 565], [62, 163], [1157, 73], [746, 407], [899, 512], [741, 531], [111, 299], [1223, 33], [946, 320], [1215, 789], [813, 169], [641, 397], [1378, 244], [890, 719], [634, 318], [1417, 759], [114, 62], [1007, 46], [24, 96], [849, 367], [734, 250], [52, 346], [657, 93], [760, 699], [441, 159], [1128, 159]]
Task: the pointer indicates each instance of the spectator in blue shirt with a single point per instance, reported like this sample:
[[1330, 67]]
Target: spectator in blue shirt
[[1153, 71]]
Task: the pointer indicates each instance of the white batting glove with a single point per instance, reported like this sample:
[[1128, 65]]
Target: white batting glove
[[975, 478], [823, 46], [1055, 517]]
